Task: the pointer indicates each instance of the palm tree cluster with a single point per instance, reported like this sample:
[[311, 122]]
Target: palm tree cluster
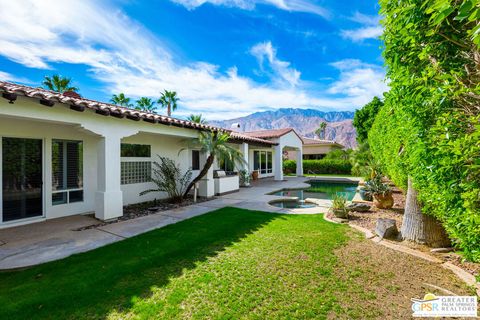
[[58, 83], [168, 99], [197, 118]]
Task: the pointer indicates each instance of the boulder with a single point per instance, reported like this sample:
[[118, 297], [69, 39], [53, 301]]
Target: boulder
[[358, 207], [386, 228]]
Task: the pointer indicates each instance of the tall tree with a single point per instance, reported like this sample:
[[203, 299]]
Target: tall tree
[[58, 83], [364, 117], [121, 100], [168, 99], [214, 144], [146, 104], [321, 131], [197, 118]]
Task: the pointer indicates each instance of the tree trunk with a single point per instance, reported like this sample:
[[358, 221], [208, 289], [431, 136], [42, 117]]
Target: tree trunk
[[169, 110], [206, 167], [421, 228]]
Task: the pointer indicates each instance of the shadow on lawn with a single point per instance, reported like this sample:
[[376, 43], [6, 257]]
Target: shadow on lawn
[[94, 283]]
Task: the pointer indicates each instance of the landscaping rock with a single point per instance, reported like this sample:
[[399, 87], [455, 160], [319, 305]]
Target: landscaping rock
[[358, 207], [386, 228]]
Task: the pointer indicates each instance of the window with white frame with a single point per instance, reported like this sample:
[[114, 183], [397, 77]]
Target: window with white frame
[[263, 161], [136, 166], [67, 171]]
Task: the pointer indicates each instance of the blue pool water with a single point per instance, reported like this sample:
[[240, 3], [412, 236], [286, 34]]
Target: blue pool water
[[322, 190]]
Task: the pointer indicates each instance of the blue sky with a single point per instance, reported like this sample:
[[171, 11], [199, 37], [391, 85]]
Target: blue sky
[[225, 58]]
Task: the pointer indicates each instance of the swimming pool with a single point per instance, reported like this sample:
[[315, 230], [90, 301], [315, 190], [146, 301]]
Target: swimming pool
[[321, 189]]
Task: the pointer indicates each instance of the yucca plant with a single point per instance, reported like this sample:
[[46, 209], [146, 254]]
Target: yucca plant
[[169, 178], [339, 206]]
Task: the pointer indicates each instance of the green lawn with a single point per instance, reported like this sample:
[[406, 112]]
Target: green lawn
[[228, 264]]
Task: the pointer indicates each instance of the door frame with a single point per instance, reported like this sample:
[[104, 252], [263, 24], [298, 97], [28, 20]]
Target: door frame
[[44, 207]]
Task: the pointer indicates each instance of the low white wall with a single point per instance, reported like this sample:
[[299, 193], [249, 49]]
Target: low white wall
[[226, 184]]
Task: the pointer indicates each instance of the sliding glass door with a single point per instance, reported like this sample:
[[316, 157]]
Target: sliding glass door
[[263, 161], [22, 181]]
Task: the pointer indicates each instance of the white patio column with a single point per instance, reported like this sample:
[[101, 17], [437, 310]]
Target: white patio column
[[207, 184], [278, 162], [299, 162], [244, 151], [109, 197]]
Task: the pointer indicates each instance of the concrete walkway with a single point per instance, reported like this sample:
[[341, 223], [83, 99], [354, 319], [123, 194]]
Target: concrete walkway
[[56, 239]]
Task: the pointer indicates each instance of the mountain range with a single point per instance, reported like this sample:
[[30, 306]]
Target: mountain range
[[304, 121]]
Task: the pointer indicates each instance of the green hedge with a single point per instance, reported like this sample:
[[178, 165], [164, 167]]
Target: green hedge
[[323, 166]]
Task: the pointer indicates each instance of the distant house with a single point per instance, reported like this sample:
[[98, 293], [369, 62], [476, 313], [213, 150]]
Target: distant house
[[314, 149], [61, 155]]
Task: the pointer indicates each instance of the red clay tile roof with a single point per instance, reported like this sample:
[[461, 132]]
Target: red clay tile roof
[[48, 98], [274, 133], [310, 141]]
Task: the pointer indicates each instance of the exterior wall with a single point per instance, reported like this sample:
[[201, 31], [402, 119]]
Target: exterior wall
[[27, 118], [170, 147], [312, 149]]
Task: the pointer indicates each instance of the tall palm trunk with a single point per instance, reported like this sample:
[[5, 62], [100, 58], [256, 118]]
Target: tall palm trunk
[[206, 167], [169, 110], [421, 228]]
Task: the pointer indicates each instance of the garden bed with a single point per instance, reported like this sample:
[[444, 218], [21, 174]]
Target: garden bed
[[138, 210], [368, 221]]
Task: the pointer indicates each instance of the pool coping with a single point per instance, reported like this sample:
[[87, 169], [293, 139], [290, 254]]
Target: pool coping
[[323, 205]]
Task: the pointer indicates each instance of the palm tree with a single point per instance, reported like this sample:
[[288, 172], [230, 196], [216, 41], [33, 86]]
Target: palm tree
[[169, 100], [121, 100], [146, 104], [215, 145], [197, 118], [58, 83], [321, 131]]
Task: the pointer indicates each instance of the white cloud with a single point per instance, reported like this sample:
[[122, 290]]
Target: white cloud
[[370, 29], [5, 76], [266, 55], [358, 80], [127, 58], [288, 5], [363, 33]]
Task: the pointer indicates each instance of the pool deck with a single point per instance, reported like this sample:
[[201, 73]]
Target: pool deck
[[57, 238]]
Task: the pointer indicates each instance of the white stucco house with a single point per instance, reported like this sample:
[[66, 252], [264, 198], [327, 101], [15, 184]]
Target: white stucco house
[[61, 155], [315, 149]]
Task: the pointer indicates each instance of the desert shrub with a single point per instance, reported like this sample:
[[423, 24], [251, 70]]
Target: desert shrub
[[168, 177], [339, 154], [289, 166]]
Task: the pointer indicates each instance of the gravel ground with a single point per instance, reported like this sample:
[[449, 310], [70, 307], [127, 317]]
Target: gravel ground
[[368, 220]]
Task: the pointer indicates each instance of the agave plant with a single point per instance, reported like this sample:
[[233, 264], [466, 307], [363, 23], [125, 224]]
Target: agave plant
[[375, 186]]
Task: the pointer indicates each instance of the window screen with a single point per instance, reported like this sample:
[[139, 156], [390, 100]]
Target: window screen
[[67, 171]]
